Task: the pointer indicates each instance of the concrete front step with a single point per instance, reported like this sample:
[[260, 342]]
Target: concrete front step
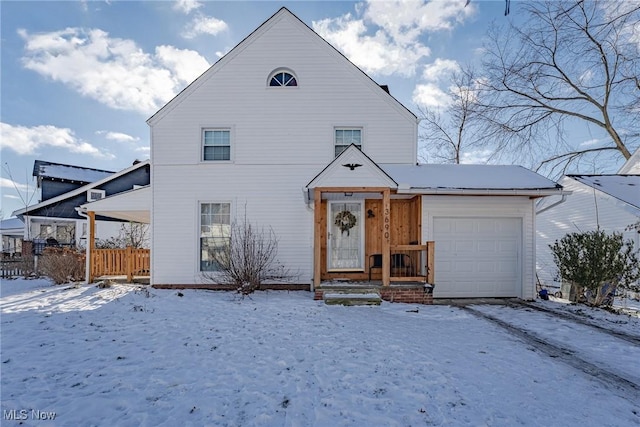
[[352, 298]]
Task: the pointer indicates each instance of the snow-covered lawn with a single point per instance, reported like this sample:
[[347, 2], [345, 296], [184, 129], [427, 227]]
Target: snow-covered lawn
[[124, 356]]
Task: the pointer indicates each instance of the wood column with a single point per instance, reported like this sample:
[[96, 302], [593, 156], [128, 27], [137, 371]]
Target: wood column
[[386, 236], [431, 247], [91, 244], [317, 232]]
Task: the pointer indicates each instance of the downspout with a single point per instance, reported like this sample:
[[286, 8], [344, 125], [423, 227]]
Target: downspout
[[87, 262], [552, 205]]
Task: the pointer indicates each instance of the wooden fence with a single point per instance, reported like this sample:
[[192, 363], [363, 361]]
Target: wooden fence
[[13, 267], [120, 262]]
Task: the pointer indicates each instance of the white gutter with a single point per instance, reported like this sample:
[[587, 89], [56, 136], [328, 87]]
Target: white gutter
[[481, 192]]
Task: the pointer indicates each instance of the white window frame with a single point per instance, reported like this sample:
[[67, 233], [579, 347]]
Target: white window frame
[[279, 71], [96, 191], [202, 144], [199, 231], [348, 128]]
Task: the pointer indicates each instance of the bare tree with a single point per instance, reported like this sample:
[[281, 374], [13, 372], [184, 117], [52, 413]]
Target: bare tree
[[25, 194], [449, 130], [247, 258], [132, 234], [572, 63]]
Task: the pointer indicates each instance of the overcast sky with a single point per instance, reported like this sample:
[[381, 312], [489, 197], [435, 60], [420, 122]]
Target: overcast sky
[[79, 79]]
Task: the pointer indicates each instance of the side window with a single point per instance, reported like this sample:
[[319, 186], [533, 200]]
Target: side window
[[216, 144], [344, 137], [95, 194], [215, 227]]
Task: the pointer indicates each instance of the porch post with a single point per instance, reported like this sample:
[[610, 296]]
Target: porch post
[[386, 236], [317, 232], [91, 245], [129, 262]]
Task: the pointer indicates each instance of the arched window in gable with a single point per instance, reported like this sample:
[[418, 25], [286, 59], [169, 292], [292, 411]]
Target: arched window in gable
[[283, 78]]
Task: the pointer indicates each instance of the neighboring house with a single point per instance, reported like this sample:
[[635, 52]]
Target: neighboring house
[[63, 189], [608, 202], [12, 231], [287, 132]]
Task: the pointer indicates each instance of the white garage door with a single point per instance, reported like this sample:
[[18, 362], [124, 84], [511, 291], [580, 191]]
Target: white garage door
[[477, 257]]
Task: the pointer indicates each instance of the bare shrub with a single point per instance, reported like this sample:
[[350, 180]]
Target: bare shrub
[[247, 259], [62, 265]]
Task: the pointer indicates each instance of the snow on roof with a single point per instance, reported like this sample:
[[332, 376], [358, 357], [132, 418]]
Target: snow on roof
[[468, 177], [46, 169], [11, 223], [622, 187]]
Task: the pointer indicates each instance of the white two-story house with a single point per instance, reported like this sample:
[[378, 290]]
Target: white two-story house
[[286, 130]]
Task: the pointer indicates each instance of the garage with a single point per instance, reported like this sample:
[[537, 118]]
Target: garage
[[477, 257]]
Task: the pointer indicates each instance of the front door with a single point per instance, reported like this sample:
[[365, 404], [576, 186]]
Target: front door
[[345, 230]]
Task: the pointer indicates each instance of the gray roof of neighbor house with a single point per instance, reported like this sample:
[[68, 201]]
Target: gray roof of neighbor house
[[623, 187], [10, 225], [112, 178], [59, 171], [452, 178]]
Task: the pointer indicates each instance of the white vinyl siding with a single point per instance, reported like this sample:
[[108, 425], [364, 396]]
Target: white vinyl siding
[[585, 209]]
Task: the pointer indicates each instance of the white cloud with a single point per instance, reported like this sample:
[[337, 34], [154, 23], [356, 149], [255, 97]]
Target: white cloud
[[204, 25], [117, 136], [28, 140], [476, 157], [386, 38], [430, 95], [113, 71], [440, 69], [376, 53], [186, 65], [7, 183], [186, 6], [405, 20]]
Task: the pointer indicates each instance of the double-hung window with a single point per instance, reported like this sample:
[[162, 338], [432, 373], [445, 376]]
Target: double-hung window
[[344, 137], [215, 230], [216, 144]]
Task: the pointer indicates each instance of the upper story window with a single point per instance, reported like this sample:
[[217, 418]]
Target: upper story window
[[95, 194], [283, 78], [216, 144], [345, 137]]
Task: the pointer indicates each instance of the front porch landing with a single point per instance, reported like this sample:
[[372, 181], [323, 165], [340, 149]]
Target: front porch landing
[[406, 292]]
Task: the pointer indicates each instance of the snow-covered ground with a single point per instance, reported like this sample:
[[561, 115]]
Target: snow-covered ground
[[126, 356]]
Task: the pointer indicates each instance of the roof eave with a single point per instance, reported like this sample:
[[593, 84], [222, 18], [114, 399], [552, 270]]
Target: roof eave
[[530, 192]]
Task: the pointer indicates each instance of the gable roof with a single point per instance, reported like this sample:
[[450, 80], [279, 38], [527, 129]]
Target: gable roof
[[625, 188], [352, 168], [59, 171], [632, 165], [82, 189], [470, 179], [265, 26]]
